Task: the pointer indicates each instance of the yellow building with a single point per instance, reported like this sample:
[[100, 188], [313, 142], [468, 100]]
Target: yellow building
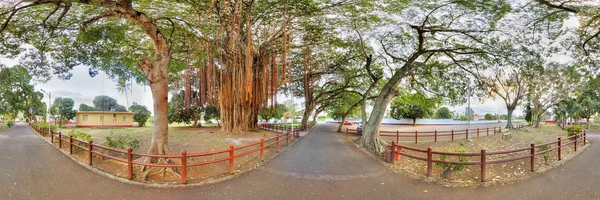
[[104, 119]]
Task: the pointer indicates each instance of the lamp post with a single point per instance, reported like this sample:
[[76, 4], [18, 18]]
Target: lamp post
[[469, 113], [48, 109]]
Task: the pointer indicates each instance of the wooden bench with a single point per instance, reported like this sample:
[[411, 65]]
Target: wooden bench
[[506, 135]]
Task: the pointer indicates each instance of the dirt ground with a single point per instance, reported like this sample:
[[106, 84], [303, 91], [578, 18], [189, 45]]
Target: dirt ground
[[500, 172], [193, 140]]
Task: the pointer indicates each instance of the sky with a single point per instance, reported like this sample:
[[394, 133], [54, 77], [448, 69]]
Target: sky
[[82, 88]]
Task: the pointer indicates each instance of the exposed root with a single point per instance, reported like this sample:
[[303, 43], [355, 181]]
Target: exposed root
[[146, 171]]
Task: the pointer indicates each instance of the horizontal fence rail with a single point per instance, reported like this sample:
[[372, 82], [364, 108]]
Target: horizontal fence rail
[[532, 151], [93, 149], [435, 134]]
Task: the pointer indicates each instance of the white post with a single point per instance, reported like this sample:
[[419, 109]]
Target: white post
[[469, 114]]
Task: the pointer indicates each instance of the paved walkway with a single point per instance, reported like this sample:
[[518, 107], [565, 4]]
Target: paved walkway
[[320, 166]]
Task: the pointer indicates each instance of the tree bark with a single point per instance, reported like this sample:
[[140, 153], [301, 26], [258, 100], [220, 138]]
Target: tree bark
[[537, 120], [509, 124], [414, 122], [160, 136], [308, 110]]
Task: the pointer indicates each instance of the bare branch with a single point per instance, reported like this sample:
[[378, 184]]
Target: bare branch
[[85, 24]]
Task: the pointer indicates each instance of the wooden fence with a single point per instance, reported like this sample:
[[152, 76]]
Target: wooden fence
[[435, 134], [532, 153], [233, 152]]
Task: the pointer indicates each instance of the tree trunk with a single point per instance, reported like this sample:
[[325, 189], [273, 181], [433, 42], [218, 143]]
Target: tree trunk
[[537, 120], [315, 116], [160, 136], [414, 122], [509, 124], [308, 110], [370, 138], [363, 110]]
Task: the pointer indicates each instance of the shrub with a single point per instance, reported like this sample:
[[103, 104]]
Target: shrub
[[45, 125], [448, 168], [80, 135], [542, 148], [573, 130], [120, 141]]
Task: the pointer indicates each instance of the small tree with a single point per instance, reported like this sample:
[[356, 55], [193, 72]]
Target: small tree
[[449, 168], [412, 106], [62, 109], [489, 116], [528, 114], [269, 113], [141, 114], [212, 112], [443, 113]]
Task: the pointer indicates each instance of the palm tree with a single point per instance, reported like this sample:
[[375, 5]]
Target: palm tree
[[122, 88]]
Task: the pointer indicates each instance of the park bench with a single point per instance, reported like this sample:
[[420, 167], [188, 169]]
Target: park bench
[[506, 135]]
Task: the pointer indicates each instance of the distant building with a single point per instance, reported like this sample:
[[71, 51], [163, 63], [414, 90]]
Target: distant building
[[87, 119]]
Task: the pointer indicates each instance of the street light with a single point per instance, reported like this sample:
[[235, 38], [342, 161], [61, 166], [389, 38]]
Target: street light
[[48, 109], [469, 113]]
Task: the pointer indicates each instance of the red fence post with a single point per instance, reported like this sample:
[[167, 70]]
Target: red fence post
[[576, 138], [70, 144], [287, 138], [584, 142], [466, 133], [231, 158], [393, 152], [494, 130], [532, 157], [416, 138], [483, 164], [429, 162], [346, 132], [262, 148], [435, 135], [90, 152], [452, 135], [500, 129], [129, 164], [60, 140], [52, 138], [277, 143], [559, 149], [183, 167], [397, 136], [477, 132], [487, 131]]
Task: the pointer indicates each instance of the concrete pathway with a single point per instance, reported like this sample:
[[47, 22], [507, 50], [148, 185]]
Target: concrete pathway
[[320, 166]]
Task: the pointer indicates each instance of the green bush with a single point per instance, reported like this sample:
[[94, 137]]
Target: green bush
[[448, 168], [120, 141], [573, 130], [543, 148], [45, 125], [80, 135]]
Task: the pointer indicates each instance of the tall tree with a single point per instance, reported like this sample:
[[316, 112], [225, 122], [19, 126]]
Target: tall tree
[[430, 47], [119, 37], [122, 88]]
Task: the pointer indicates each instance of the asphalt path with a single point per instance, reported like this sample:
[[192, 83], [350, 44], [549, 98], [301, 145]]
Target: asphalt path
[[322, 165]]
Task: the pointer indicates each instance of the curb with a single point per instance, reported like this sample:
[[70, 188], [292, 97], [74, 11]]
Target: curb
[[166, 185]]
